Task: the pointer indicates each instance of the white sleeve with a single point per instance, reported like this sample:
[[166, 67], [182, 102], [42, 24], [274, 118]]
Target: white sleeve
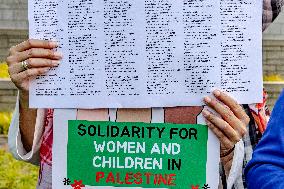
[[237, 164], [14, 137]]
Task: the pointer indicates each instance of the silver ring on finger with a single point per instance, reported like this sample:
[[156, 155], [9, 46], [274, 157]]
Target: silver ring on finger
[[25, 65]]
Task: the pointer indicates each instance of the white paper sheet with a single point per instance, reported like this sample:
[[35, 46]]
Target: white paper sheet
[[148, 53]]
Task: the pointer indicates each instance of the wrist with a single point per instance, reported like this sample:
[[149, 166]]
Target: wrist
[[228, 152], [24, 99], [227, 163]]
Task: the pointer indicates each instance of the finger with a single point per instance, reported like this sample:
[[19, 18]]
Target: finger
[[232, 104], [33, 43], [36, 53], [33, 63], [225, 113], [219, 134], [231, 133], [33, 72]]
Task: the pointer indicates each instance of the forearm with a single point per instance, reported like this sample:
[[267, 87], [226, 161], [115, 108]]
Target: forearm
[[27, 120]]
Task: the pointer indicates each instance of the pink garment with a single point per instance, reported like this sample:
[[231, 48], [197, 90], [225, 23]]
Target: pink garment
[[44, 180]]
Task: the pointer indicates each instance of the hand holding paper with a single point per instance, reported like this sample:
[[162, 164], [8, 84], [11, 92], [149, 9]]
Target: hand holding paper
[[230, 127]]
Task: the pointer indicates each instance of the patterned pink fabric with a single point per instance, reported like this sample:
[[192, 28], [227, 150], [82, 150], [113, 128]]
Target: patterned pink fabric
[[260, 113], [46, 152], [45, 149]]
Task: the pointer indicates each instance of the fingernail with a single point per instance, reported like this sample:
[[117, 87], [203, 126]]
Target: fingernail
[[58, 54], [55, 62], [205, 113], [217, 93], [54, 44], [207, 99]]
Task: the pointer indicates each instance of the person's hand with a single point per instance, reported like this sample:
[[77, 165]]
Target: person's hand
[[26, 61], [229, 126], [30, 59]]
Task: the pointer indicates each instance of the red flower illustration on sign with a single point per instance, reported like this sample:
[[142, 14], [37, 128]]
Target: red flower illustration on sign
[[78, 184], [194, 187]]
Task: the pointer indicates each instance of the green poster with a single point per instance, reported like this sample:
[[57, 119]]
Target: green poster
[[148, 155]]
